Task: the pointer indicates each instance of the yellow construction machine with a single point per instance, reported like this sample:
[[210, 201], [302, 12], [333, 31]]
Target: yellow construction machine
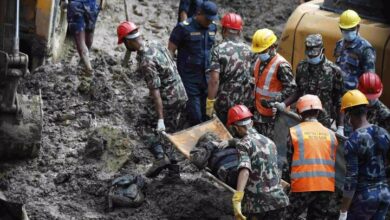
[[322, 16], [30, 32]]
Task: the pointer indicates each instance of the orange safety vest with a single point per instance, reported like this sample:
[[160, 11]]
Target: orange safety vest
[[267, 84], [313, 163]]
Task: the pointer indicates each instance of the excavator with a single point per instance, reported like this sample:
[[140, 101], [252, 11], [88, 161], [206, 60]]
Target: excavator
[[322, 16], [30, 32]]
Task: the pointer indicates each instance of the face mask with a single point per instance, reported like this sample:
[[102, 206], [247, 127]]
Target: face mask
[[315, 60], [264, 56], [372, 102], [349, 35]]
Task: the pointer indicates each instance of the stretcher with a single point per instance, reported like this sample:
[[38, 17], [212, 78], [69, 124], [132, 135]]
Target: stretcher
[[185, 140]]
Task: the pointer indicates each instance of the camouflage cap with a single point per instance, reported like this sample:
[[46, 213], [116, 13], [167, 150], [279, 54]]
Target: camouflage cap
[[314, 45], [314, 40]]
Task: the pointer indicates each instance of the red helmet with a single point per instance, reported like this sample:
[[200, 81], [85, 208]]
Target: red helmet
[[371, 85], [124, 29], [238, 113], [232, 21]]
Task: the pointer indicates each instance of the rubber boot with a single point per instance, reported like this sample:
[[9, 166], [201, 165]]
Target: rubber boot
[[160, 163]]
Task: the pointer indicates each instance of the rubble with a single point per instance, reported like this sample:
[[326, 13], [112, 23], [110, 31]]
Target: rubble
[[64, 182]]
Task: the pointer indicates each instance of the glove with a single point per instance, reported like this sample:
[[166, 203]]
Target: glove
[[278, 105], [340, 130], [237, 198], [210, 107], [343, 215], [160, 125]]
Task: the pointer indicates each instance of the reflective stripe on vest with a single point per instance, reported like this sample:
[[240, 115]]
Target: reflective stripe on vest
[[267, 84], [313, 165]]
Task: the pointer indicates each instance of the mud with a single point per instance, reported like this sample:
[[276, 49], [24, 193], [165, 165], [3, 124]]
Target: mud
[[62, 183]]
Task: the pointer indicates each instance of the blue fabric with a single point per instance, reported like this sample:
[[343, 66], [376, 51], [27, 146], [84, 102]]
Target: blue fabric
[[82, 15], [210, 9], [365, 155], [189, 6], [194, 43], [354, 59], [196, 108], [370, 204]]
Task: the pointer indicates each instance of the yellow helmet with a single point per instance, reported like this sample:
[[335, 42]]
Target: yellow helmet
[[262, 40], [349, 19], [353, 98]]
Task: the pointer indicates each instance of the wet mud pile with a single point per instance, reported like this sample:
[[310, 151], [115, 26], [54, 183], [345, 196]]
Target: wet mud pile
[[72, 175]]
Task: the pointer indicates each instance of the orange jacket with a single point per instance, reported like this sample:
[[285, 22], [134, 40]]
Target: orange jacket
[[267, 84], [313, 162]]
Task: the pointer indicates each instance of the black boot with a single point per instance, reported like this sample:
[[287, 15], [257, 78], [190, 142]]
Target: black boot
[[160, 163]]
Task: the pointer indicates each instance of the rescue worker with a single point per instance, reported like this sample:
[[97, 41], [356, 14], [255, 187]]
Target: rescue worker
[[82, 16], [311, 155], [193, 38], [230, 77], [378, 113], [366, 192], [274, 80], [167, 95], [188, 8], [319, 76], [354, 54], [258, 184]]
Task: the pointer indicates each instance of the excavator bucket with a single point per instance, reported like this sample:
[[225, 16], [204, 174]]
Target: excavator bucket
[[11, 210], [20, 115], [20, 135], [186, 139]]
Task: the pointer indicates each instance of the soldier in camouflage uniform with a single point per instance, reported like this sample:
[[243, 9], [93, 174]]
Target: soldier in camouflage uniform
[[378, 113], [354, 54], [317, 75], [274, 80], [259, 183], [366, 192], [167, 95], [230, 78]]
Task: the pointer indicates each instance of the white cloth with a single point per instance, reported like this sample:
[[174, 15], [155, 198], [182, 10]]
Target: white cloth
[[343, 216], [160, 125]]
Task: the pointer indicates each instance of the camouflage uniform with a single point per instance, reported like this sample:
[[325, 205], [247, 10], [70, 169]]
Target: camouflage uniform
[[263, 192], [354, 59], [379, 114], [160, 72], [365, 179], [232, 60], [323, 79], [263, 124]]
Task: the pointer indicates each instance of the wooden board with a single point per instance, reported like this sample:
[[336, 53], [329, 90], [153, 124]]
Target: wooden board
[[186, 139]]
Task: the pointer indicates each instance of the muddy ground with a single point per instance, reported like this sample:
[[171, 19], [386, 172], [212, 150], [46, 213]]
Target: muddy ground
[[62, 183]]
